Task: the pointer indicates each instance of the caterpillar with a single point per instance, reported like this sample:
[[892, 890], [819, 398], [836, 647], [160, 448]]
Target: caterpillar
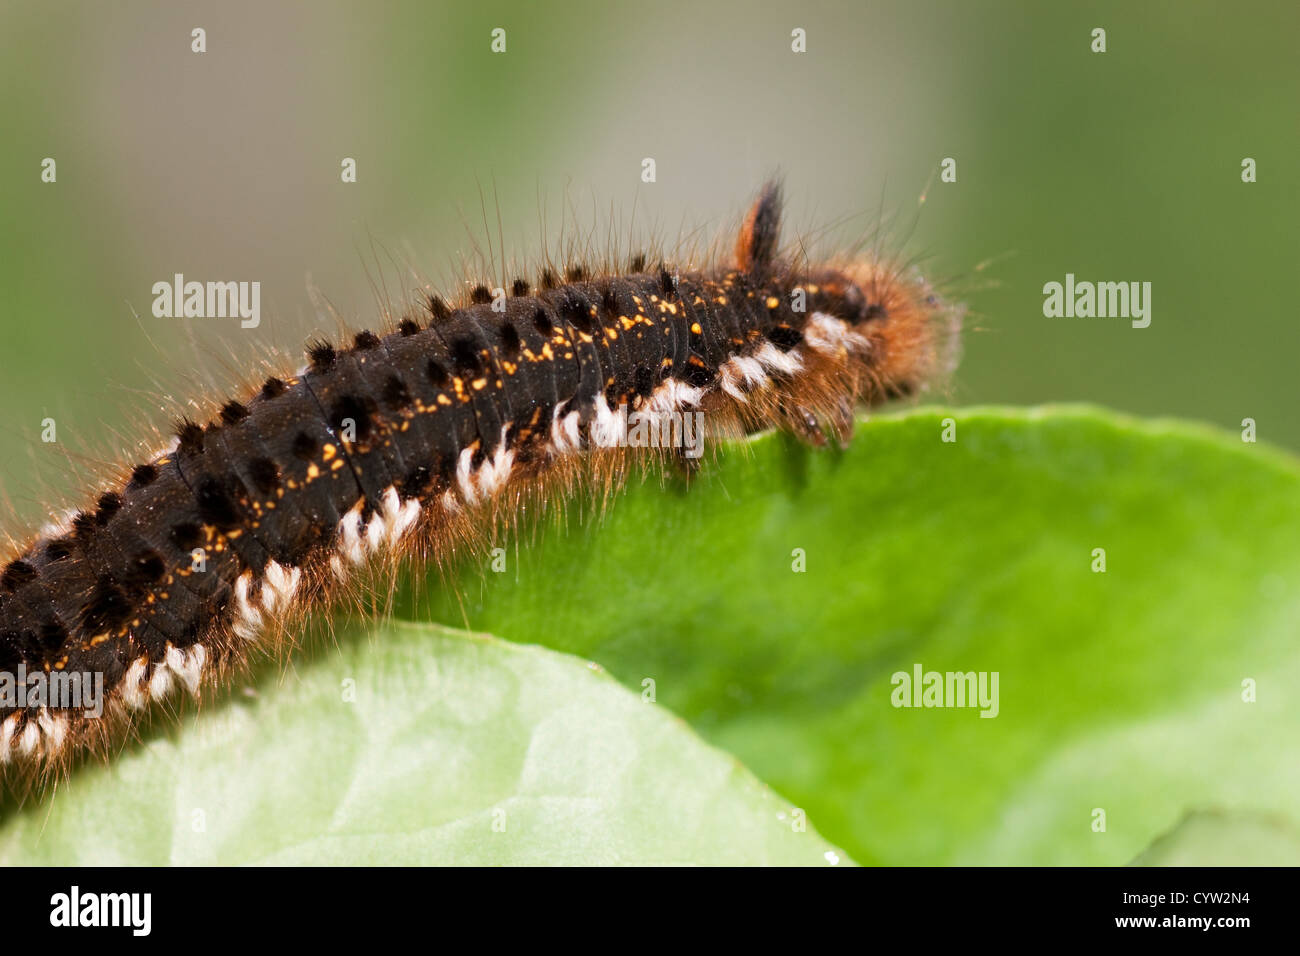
[[398, 445]]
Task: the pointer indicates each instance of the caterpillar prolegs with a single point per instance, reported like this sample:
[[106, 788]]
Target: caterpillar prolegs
[[398, 444]]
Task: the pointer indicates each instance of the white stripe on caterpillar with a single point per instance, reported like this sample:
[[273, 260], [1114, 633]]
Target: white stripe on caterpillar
[[829, 334]]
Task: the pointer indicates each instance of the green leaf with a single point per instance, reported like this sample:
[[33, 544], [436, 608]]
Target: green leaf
[[1214, 838], [1128, 700], [1119, 691], [453, 749]]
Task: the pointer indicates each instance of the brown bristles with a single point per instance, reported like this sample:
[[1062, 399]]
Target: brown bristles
[[438, 308], [190, 436], [16, 574], [757, 242], [233, 412], [109, 503], [322, 356], [143, 475]]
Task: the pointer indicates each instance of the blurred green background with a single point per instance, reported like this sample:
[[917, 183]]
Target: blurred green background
[[1116, 166]]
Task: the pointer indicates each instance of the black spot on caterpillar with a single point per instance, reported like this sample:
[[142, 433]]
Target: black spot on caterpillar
[[405, 441]]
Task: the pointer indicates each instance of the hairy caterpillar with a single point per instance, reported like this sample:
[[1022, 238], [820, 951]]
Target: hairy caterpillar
[[401, 444]]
